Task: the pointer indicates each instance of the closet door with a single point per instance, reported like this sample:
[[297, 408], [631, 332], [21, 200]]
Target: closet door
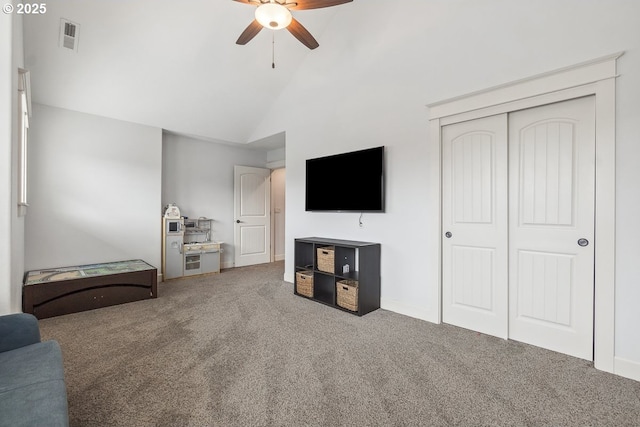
[[474, 220], [551, 226]]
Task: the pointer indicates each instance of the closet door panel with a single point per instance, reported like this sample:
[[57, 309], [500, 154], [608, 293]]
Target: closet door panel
[[475, 224], [551, 229]]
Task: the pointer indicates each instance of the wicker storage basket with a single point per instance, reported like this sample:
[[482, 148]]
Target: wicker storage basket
[[304, 283], [326, 259], [347, 294]]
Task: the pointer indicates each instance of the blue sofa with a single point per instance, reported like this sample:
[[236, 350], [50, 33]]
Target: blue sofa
[[32, 388]]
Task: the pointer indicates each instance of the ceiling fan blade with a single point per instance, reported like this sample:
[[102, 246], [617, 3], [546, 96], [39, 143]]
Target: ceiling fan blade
[[247, 1], [302, 34], [250, 32], [314, 4]]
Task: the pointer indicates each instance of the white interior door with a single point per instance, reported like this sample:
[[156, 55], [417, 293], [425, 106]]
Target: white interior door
[[252, 228], [474, 220], [551, 227]]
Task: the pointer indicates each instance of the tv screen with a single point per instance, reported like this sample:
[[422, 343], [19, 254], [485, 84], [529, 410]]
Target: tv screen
[[349, 182]]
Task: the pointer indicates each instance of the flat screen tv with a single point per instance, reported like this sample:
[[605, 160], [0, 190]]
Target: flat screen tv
[[348, 182]]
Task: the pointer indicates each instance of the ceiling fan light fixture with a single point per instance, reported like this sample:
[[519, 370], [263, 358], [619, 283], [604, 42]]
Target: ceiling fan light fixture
[[273, 16]]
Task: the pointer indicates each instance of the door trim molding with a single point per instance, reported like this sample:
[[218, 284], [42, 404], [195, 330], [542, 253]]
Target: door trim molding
[[596, 77], [564, 78]]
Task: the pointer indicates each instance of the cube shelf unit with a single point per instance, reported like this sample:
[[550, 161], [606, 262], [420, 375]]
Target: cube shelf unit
[[364, 267]]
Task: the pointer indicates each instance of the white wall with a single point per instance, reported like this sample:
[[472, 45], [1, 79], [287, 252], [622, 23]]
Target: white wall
[[11, 225], [276, 158], [6, 123], [366, 88], [95, 189], [198, 176], [17, 218]]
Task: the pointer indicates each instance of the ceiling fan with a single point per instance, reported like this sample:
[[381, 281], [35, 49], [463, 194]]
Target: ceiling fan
[[276, 14]]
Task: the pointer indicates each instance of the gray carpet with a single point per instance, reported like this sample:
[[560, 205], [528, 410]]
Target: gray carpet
[[239, 349]]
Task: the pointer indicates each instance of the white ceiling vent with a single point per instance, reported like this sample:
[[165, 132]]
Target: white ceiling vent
[[69, 33]]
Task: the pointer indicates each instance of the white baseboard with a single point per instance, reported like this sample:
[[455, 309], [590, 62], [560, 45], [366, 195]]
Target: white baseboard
[[408, 310], [160, 278], [289, 277], [626, 368], [278, 257]]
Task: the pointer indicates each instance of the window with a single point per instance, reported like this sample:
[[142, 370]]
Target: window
[[24, 112]]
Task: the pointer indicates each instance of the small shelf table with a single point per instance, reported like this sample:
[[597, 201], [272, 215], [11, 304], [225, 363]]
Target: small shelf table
[[363, 260]]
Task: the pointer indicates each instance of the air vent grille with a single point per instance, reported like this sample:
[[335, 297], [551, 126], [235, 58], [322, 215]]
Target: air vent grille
[[69, 32]]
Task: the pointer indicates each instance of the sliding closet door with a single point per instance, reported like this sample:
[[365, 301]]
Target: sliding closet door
[[551, 226], [474, 220]]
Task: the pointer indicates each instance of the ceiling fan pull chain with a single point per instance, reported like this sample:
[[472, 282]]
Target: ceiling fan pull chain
[[273, 49]]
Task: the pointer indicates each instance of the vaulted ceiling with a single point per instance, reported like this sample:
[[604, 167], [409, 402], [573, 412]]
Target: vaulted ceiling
[[166, 63]]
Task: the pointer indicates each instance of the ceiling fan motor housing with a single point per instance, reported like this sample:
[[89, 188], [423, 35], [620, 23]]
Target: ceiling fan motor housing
[[273, 16]]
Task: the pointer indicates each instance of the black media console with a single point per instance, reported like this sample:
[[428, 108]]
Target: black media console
[[326, 260]]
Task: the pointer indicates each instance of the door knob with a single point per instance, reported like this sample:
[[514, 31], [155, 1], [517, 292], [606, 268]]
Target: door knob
[[237, 221], [583, 242], [448, 234]]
